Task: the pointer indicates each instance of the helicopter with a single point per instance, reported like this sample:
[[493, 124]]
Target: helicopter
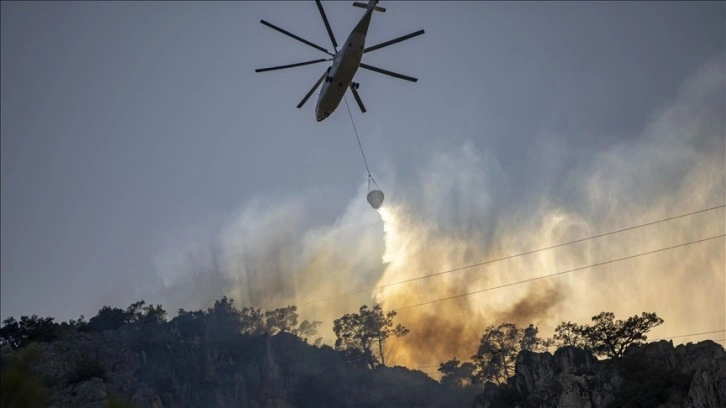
[[338, 77]]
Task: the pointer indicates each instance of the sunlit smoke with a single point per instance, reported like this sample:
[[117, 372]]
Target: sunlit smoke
[[675, 167], [462, 212]]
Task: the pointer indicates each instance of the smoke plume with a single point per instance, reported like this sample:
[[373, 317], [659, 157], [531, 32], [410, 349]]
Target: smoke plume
[[463, 211]]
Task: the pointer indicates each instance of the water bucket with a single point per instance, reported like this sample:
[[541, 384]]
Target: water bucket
[[375, 198]]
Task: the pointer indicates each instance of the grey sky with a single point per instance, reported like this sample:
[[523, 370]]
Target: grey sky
[[128, 125]]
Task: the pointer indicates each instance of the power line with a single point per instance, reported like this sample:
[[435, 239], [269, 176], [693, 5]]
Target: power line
[[557, 273], [690, 335], [560, 273], [513, 256]]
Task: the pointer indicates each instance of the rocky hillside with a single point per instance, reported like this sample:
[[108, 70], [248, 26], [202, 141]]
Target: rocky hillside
[[650, 375], [150, 365], [131, 367]]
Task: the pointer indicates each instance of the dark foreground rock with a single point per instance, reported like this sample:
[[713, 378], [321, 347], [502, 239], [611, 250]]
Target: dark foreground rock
[[156, 367], [152, 370], [651, 375]]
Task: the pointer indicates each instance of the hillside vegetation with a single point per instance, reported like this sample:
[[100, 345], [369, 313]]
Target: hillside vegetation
[[230, 357]]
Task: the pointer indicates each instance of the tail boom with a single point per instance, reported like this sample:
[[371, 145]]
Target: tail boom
[[371, 4]]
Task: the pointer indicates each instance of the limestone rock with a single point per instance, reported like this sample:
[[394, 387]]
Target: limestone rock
[[708, 386]]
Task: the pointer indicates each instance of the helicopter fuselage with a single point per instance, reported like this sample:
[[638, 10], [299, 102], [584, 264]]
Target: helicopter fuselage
[[341, 73], [338, 77]]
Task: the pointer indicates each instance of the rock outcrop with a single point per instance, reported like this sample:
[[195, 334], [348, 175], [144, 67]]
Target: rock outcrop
[[656, 374]]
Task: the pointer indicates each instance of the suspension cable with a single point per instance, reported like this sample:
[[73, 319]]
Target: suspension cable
[[358, 138]]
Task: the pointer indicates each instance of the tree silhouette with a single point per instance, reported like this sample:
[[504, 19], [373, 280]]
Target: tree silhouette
[[190, 325], [307, 329], [498, 350], [360, 333], [73, 325], [607, 337], [531, 342], [108, 318], [456, 374], [224, 322], [153, 315], [281, 320], [19, 333], [569, 334], [251, 321], [135, 312], [140, 312], [497, 353], [286, 320], [611, 338]]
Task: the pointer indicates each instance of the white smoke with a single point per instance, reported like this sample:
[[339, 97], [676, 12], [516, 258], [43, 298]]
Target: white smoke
[[463, 211]]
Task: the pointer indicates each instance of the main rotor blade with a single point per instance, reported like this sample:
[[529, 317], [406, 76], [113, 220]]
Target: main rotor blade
[[357, 98], [327, 25], [292, 65], [383, 71], [312, 90], [274, 27], [394, 41]]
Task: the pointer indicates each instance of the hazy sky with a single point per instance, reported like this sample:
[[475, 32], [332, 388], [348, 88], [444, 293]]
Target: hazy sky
[[136, 136]]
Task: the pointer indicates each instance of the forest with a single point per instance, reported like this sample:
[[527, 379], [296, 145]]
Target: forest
[[359, 344]]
